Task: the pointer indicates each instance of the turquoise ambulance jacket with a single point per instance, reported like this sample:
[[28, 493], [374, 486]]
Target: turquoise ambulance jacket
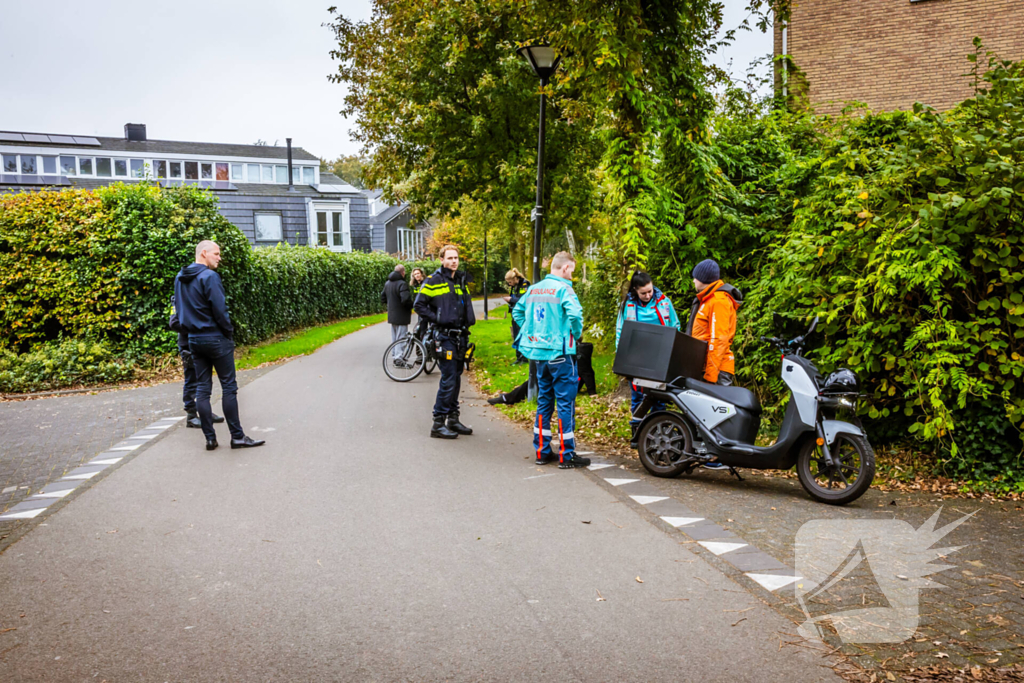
[[658, 311], [550, 319]]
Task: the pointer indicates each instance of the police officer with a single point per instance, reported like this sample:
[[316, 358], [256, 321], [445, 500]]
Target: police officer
[[551, 320], [203, 313], [444, 301], [188, 394]]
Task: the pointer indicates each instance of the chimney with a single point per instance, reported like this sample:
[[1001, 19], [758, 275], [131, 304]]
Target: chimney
[[291, 185], [135, 132]]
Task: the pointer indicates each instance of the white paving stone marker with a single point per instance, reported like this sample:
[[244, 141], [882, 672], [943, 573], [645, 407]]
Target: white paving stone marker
[[620, 482], [126, 448], [23, 514], [682, 521], [84, 475], [774, 582], [105, 461], [599, 466], [146, 437], [647, 500], [53, 494], [720, 548]]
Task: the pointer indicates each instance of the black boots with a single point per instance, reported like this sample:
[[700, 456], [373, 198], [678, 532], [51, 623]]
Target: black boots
[[456, 426], [440, 431]]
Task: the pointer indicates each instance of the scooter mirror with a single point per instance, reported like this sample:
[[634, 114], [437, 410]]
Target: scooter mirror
[[814, 325]]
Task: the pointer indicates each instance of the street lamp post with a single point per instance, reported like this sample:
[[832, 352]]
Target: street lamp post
[[543, 61]]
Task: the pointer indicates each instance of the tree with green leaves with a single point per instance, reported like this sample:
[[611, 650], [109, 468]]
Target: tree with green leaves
[[349, 168], [447, 110]]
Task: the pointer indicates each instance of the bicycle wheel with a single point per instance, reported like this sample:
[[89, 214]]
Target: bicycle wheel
[[404, 359], [431, 362]]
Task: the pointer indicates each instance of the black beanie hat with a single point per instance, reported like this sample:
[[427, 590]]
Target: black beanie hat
[[707, 271]]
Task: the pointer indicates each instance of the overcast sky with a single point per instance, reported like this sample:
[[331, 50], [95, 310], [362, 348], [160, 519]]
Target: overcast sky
[[205, 71]]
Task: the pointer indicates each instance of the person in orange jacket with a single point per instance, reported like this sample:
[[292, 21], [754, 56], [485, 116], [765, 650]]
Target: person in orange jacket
[[713, 319]]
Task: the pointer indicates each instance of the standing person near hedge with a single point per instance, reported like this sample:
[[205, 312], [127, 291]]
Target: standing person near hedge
[[517, 286], [399, 301], [203, 315], [713, 319], [644, 303], [551, 320], [188, 394], [444, 301]]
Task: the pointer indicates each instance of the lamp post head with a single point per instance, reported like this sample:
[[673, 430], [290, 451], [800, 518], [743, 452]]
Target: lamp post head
[[542, 59]]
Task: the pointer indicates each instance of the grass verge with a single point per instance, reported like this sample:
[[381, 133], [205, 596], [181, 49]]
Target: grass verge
[[603, 420], [302, 342]]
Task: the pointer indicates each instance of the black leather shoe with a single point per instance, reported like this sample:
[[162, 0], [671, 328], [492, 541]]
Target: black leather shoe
[[217, 419], [574, 461], [440, 431], [193, 422], [211, 445], [500, 398], [246, 442], [456, 426]]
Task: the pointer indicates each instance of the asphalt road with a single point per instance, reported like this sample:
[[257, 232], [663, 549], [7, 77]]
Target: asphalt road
[[354, 547]]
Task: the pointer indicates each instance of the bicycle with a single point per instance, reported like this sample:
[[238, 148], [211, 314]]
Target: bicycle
[[406, 358]]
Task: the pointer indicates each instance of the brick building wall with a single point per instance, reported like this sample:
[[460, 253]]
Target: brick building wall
[[892, 53]]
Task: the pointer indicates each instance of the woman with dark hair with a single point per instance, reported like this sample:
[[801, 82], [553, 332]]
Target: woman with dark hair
[[646, 304]]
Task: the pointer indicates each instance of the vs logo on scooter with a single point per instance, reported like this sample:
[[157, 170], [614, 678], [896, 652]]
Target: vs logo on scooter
[[720, 409]]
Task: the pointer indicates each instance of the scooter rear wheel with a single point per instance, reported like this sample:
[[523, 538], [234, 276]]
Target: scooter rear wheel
[[857, 466], [663, 443]]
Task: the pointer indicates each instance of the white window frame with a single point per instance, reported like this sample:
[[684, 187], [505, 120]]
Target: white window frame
[[341, 207], [255, 238]]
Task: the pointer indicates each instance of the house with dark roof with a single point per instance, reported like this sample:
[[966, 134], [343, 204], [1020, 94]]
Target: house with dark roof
[[392, 229], [273, 194]]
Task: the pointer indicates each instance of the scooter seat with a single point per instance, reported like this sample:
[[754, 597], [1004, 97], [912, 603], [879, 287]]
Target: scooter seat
[[738, 396]]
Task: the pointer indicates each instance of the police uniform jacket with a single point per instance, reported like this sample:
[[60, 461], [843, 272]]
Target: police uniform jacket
[[444, 300]]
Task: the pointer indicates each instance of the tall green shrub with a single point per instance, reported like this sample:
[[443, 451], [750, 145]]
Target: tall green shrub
[[78, 264]]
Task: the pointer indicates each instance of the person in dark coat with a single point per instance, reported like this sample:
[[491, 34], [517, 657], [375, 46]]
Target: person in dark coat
[[399, 301], [203, 314]]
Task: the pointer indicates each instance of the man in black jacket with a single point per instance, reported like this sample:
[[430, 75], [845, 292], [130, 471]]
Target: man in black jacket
[[444, 300], [188, 394], [203, 315], [396, 295]]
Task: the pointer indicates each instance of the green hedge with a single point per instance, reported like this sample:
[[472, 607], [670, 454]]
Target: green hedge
[[290, 287], [99, 265]]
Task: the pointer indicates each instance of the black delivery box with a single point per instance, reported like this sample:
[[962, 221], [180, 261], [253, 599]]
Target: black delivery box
[[658, 353]]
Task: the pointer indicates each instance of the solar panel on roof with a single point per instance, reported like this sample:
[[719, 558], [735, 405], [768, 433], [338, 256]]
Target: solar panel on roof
[[62, 139], [33, 137], [87, 141], [12, 137]]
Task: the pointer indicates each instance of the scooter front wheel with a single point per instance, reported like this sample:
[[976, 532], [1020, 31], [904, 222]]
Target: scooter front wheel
[[844, 483], [663, 443]]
